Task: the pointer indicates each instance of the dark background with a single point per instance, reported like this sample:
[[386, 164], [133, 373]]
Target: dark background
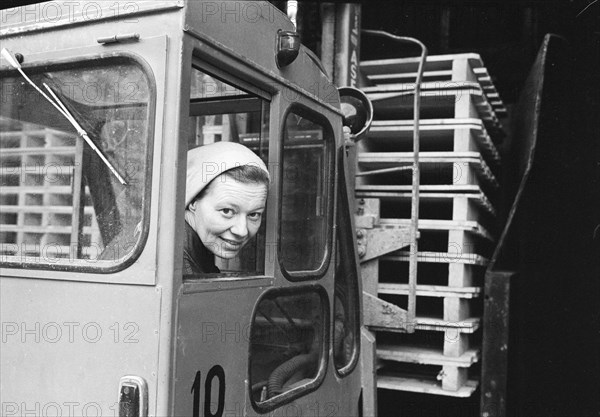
[[554, 346]]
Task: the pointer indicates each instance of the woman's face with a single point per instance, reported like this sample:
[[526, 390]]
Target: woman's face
[[228, 215]]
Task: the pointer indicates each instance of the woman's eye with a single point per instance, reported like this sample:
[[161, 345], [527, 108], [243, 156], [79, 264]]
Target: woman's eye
[[227, 212], [255, 216]]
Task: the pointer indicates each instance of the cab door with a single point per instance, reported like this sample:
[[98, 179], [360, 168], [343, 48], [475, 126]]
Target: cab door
[[214, 310], [275, 331]]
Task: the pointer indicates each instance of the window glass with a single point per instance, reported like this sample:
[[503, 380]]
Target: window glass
[[60, 202], [287, 341], [222, 112], [306, 201], [345, 305]]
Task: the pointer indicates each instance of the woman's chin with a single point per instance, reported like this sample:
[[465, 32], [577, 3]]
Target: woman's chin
[[228, 254]]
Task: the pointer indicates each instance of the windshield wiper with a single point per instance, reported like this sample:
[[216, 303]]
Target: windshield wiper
[[62, 109]]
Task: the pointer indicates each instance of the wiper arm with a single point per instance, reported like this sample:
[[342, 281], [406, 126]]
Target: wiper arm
[[62, 109], [84, 135]]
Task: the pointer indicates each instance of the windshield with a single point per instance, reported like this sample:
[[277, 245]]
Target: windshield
[[60, 201]]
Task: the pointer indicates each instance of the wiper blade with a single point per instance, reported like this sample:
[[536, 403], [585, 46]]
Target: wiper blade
[[62, 109]]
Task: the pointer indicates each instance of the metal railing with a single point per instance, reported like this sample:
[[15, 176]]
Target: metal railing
[[414, 216]]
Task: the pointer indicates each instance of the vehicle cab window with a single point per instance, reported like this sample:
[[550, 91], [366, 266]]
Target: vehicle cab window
[[71, 200], [288, 346], [223, 113], [307, 200]]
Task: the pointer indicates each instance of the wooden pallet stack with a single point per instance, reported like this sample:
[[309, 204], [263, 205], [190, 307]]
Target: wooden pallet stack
[[36, 193], [459, 162]]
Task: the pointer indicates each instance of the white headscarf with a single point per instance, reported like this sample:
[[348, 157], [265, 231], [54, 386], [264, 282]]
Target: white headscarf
[[207, 162]]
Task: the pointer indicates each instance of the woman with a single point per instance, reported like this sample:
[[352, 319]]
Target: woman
[[226, 193]]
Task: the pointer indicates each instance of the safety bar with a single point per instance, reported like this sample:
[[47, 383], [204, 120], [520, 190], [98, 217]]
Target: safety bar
[[414, 213]]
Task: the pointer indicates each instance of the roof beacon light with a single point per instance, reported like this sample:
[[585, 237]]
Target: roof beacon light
[[288, 47]]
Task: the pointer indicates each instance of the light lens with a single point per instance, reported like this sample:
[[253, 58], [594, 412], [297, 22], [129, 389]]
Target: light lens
[[288, 47]]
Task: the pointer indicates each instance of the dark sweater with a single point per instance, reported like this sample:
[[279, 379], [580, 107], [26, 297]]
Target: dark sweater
[[196, 258]]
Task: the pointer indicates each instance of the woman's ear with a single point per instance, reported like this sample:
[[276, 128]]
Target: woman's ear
[[192, 206]]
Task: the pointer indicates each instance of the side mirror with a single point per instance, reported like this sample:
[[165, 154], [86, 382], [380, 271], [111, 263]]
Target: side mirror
[[358, 111]]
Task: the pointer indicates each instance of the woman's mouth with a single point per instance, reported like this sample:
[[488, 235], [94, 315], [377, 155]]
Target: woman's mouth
[[235, 244]]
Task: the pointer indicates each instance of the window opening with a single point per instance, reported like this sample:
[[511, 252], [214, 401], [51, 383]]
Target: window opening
[[220, 112], [287, 342], [306, 194]]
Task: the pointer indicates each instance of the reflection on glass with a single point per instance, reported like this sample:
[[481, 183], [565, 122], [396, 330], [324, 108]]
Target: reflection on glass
[[345, 327], [287, 338], [59, 201], [305, 191]]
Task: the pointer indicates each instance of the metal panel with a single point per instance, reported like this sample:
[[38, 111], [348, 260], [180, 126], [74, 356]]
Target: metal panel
[[214, 330], [495, 343], [65, 347]]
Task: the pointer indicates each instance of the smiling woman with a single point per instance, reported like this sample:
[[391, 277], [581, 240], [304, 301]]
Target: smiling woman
[[226, 194]]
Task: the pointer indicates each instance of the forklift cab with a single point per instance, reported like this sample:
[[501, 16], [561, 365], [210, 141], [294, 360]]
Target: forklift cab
[[100, 104]]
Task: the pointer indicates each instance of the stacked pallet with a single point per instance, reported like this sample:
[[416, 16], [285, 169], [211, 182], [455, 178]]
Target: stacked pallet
[[459, 162], [37, 176]]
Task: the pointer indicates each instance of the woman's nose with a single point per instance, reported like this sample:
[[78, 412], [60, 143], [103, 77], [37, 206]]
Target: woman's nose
[[240, 226]]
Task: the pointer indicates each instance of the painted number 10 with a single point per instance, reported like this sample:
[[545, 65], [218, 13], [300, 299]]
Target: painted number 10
[[214, 372]]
